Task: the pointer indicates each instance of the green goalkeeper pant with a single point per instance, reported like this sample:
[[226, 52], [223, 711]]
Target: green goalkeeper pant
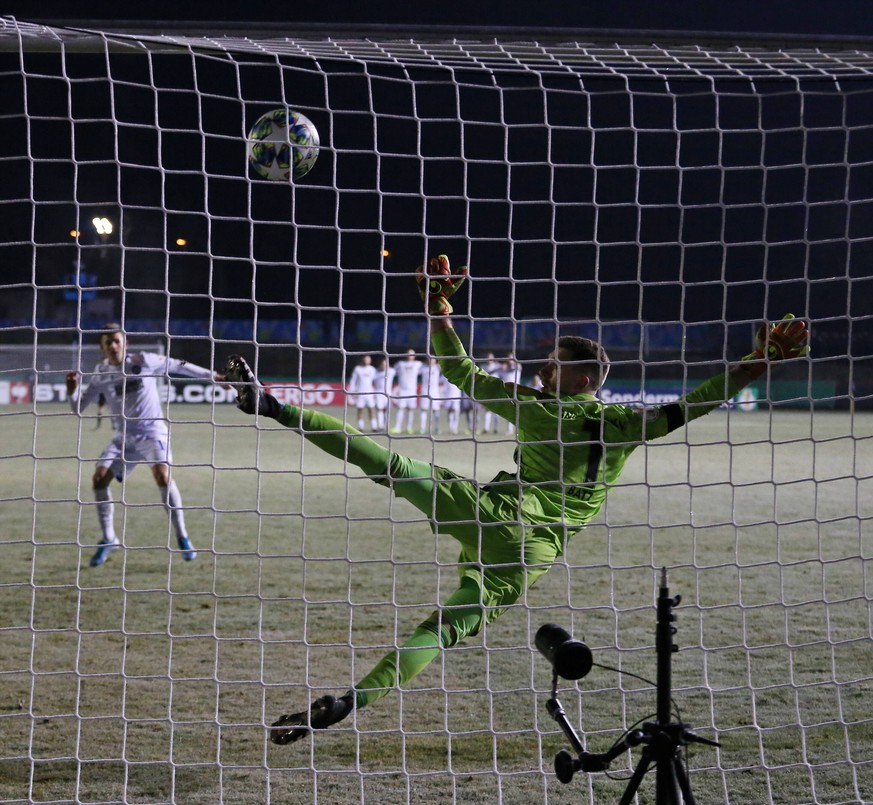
[[499, 557]]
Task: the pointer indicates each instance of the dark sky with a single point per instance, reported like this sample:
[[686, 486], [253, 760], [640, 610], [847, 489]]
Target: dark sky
[[847, 18], [606, 212]]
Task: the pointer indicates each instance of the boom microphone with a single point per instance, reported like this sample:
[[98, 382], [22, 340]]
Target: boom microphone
[[570, 658]]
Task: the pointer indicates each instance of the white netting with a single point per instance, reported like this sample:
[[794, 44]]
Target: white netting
[[663, 199]]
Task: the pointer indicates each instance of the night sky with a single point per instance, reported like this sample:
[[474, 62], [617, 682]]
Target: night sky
[[775, 18], [606, 197]]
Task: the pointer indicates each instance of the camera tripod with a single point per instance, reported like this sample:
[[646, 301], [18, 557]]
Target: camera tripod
[[662, 740]]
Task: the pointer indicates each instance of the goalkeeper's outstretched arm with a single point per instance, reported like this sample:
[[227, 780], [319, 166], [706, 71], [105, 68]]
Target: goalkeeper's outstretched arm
[[784, 340], [437, 283]]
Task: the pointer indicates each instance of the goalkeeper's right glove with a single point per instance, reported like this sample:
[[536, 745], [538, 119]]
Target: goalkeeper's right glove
[[437, 283], [778, 342]]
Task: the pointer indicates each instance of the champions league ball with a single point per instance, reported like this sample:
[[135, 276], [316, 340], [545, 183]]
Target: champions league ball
[[283, 144]]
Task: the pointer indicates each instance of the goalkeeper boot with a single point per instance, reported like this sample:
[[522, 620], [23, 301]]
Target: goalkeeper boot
[[103, 551], [188, 552], [240, 375], [324, 711]]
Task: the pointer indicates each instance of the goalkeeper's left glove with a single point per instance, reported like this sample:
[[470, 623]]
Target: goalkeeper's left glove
[[437, 283], [778, 342]]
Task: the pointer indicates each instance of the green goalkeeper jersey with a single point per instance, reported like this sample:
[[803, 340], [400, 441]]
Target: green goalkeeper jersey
[[571, 449]]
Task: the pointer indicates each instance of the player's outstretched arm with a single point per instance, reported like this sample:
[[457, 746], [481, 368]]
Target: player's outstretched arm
[[437, 283], [178, 366], [785, 340]]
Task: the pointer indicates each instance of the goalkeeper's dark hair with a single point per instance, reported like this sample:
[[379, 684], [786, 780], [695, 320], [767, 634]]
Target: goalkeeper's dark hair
[[590, 354]]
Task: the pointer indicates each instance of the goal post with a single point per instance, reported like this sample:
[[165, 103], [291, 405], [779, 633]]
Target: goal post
[[663, 198]]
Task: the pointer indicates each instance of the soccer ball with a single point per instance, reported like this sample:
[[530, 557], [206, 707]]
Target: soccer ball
[[283, 143]]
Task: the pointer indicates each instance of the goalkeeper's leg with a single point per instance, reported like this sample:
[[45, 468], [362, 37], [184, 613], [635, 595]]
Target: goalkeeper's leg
[[327, 432], [461, 615], [412, 480]]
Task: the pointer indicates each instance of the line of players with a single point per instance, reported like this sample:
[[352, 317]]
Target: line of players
[[413, 387]]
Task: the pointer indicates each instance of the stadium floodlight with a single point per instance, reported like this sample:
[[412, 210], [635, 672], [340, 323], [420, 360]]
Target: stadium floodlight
[[102, 225]]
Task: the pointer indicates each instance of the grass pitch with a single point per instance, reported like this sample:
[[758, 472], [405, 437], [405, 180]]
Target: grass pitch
[[151, 679]]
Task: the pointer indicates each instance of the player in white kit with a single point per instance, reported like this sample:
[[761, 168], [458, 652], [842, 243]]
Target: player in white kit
[[452, 403], [510, 371], [490, 421], [362, 391], [431, 396], [384, 384], [128, 382], [406, 391]]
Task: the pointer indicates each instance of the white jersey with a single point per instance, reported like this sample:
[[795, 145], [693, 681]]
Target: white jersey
[[363, 379], [511, 374], [407, 377], [384, 380], [451, 393], [431, 378], [131, 391]]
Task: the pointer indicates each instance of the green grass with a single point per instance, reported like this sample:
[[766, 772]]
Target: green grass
[[151, 679]]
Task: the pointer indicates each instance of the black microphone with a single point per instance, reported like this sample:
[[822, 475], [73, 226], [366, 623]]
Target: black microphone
[[570, 658]]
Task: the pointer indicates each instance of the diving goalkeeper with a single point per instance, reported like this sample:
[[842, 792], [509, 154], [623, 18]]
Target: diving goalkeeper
[[571, 449]]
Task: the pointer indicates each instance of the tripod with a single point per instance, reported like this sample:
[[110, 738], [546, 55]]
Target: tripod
[[662, 740]]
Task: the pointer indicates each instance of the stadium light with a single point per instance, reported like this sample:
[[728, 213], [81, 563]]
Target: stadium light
[[102, 225], [181, 242]]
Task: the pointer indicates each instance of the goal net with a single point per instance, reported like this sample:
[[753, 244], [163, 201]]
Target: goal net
[[664, 199]]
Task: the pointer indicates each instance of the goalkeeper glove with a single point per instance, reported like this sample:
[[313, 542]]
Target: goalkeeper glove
[[778, 342], [437, 283]]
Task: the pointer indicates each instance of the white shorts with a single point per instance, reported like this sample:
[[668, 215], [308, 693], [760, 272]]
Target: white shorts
[[431, 403], [381, 402], [365, 400], [404, 402], [122, 456]]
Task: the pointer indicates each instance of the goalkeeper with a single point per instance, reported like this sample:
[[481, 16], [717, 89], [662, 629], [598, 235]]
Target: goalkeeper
[[571, 449]]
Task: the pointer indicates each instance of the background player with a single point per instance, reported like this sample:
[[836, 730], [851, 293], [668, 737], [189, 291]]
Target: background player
[[406, 393], [128, 382], [510, 372], [431, 396], [571, 449], [493, 367], [384, 384], [451, 395], [361, 391]]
